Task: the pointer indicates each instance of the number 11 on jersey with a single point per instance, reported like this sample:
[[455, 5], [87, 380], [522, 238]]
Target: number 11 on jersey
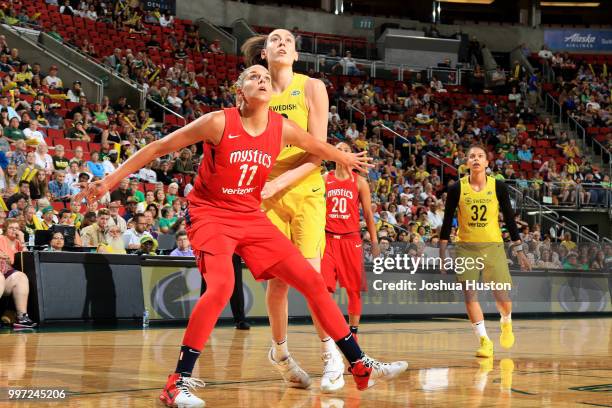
[[245, 168]]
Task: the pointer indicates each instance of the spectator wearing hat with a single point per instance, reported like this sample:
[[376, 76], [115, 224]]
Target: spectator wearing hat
[[95, 234], [52, 80], [47, 218], [54, 120], [82, 179], [130, 209], [38, 113], [110, 161], [78, 132], [75, 93], [148, 246]]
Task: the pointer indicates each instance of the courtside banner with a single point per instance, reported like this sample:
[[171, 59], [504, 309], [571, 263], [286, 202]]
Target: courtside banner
[[163, 5], [587, 40]]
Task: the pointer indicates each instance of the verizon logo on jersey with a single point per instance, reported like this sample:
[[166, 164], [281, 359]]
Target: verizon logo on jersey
[[238, 191], [251, 155]]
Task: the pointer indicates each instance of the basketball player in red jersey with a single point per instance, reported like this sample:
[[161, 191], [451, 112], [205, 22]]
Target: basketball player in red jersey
[[224, 216], [343, 257]]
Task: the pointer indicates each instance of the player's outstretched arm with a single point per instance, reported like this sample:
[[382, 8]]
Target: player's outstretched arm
[[452, 201], [503, 196], [293, 134], [208, 128], [366, 203]]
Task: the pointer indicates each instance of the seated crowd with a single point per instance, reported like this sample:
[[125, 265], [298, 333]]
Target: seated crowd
[[54, 142]]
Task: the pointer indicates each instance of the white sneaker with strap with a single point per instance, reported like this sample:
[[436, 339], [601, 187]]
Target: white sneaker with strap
[[176, 392], [291, 372]]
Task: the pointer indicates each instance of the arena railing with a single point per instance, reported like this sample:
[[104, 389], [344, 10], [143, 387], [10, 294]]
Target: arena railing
[[443, 166], [551, 104], [31, 50], [545, 191], [160, 112], [352, 108], [528, 206], [379, 69], [114, 85]]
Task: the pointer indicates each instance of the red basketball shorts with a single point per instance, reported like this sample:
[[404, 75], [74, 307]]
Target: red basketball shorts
[[218, 231], [343, 263]]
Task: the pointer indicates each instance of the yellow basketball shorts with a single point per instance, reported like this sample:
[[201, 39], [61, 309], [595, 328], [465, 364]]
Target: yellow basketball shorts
[[299, 213], [472, 259]]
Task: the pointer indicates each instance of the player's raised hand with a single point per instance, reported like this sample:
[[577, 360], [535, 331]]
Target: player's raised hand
[[93, 191], [358, 161]]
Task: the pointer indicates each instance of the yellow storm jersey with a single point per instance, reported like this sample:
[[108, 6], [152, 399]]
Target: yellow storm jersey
[[478, 213], [291, 103]]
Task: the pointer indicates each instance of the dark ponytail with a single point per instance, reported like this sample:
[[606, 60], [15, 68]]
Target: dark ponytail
[[251, 49]]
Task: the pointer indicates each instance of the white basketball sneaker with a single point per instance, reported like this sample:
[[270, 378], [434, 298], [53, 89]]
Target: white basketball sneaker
[[368, 371], [291, 372], [176, 392], [333, 372]]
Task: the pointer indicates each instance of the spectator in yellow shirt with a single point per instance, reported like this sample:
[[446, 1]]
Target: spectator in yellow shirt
[[361, 142], [567, 242], [421, 174]]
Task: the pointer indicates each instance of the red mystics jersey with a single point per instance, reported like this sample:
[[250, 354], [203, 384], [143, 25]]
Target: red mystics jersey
[[342, 204], [233, 172]]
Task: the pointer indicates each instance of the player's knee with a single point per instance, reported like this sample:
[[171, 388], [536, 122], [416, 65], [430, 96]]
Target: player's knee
[[277, 287], [470, 296]]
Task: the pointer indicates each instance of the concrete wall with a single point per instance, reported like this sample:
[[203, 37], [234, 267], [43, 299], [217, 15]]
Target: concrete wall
[[223, 12], [114, 86], [31, 52]]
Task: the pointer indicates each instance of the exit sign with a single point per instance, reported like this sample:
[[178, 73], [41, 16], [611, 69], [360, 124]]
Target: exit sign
[[364, 23]]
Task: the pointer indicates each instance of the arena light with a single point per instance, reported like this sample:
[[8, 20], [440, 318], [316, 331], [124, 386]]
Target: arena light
[[568, 4], [468, 1]]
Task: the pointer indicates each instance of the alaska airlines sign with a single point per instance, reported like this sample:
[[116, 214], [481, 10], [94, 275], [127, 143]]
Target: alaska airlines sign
[[578, 40]]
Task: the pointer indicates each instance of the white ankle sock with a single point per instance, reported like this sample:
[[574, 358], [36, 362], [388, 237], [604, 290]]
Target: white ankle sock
[[506, 319], [281, 350], [481, 382], [479, 329], [328, 346]]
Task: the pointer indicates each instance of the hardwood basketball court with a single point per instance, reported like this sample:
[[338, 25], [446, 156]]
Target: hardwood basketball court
[[554, 363]]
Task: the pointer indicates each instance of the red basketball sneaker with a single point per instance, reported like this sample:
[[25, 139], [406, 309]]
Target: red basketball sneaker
[[368, 371], [176, 392]]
